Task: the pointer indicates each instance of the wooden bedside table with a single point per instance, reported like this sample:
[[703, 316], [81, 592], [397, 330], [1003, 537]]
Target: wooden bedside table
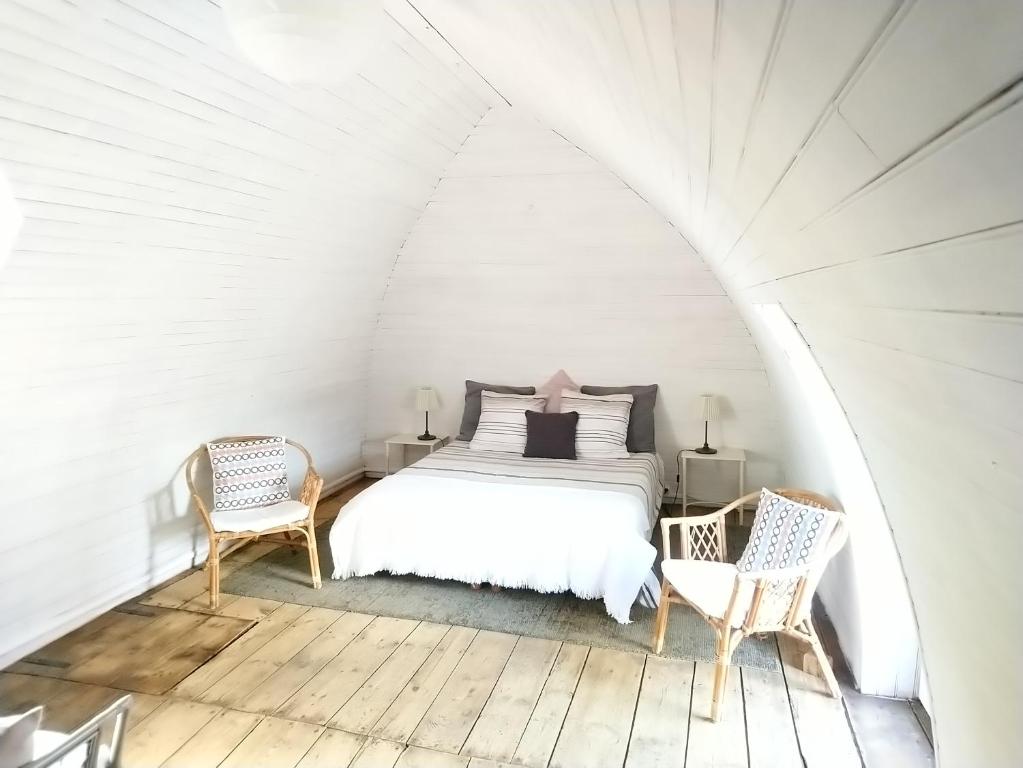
[[406, 440], [724, 454]]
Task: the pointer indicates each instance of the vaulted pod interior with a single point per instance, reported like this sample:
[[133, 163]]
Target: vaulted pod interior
[[811, 210]]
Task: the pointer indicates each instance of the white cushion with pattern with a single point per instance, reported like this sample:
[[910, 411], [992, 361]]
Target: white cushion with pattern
[[259, 518], [603, 424], [785, 533], [708, 585], [248, 473], [503, 421]]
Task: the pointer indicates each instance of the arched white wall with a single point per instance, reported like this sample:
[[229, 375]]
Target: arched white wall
[[203, 252], [529, 257], [858, 163]]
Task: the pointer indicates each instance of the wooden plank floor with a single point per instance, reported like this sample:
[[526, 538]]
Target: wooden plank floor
[[311, 687]]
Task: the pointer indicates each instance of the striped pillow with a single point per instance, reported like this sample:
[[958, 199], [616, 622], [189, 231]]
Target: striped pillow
[[503, 421], [603, 424]]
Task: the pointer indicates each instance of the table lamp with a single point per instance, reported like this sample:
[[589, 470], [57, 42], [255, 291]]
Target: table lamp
[[708, 408], [426, 401]]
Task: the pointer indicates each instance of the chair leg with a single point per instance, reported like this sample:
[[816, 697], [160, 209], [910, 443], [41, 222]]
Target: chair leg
[[213, 564], [822, 660], [661, 620], [314, 557], [725, 648]]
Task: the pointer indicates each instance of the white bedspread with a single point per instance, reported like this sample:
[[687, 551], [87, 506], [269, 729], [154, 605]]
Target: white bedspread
[[550, 538]]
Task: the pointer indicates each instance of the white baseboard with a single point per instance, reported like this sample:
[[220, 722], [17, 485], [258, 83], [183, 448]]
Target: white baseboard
[[341, 482], [183, 562]]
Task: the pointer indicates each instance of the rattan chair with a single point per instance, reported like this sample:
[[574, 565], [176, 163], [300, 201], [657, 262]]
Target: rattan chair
[[736, 603], [295, 527]]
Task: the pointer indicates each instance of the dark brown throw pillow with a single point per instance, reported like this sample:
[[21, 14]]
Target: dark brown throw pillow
[[550, 435]]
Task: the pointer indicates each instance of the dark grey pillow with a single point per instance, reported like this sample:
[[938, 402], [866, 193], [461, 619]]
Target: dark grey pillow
[[473, 404], [640, 438], [550, 435]]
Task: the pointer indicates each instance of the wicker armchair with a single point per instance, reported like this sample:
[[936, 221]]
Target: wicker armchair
[[291, 523], [735, 603]]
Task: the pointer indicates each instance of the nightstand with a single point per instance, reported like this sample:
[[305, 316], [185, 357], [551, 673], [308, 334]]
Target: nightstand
[[736, 455], [406, 440]]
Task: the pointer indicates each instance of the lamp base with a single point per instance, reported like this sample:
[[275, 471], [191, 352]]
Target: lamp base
[[427, 436], [706, 449]]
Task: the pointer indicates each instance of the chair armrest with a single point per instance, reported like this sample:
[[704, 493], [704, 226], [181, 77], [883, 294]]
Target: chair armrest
[[703, 536], [312, 484]]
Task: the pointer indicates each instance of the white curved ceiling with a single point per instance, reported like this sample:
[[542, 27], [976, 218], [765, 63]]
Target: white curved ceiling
[[859, 163]]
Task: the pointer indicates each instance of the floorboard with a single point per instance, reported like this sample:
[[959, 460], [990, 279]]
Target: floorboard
[[369, 703], [541, 733], [165, 731], [234, 688], [886, 732], [504, 718], [401, 719], [770, 733], [453, 714], [329, 689], [721, 744], [660, 730], [822, 729], [274, 743], [599, 721], [202, 679], [334, 749], [284, 683], [212, 743]]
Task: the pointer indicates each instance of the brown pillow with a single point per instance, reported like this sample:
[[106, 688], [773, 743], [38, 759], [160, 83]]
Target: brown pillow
[[550, 435], [473, 404]]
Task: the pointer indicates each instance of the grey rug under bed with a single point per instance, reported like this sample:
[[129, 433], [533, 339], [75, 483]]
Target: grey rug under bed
[[284, 575]]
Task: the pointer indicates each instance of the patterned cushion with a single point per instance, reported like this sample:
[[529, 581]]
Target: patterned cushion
[[603, 424], [502, 424], [249, 473], [785, 533]]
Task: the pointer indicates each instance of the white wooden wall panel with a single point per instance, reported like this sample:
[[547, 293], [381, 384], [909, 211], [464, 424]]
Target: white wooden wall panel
[[203, 253], [860, 164], [531, 257]]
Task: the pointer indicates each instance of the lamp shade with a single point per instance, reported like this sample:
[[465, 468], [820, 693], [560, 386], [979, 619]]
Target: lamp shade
[[707, 406], [426, 399], [306, 41]]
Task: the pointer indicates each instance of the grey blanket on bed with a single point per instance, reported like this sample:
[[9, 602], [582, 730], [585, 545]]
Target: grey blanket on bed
[[638, 475]]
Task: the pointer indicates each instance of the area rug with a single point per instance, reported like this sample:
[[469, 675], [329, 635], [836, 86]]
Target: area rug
[[283, 575]]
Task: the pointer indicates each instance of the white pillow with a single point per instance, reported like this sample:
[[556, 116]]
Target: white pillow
[[17, 738], [503, 421], [603, 424]]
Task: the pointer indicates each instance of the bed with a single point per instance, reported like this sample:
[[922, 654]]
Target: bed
[[551, 525]]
